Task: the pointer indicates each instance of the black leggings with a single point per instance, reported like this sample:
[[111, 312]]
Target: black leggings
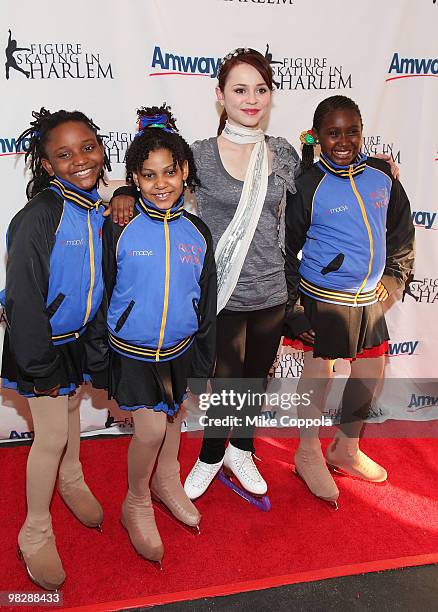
[[246, 347]]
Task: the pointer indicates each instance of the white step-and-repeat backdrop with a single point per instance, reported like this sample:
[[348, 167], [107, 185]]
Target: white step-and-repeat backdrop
[[108, 58]]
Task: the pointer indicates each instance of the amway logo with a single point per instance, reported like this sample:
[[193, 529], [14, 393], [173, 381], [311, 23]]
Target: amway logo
[[423, 218], [422, 401], [171, 63], [407, 67], [8, 146], [402, 348]]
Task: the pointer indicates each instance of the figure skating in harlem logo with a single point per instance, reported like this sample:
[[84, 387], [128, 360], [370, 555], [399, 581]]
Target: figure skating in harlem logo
[[125, 423], [116, 145], [55, 60], [11, 62], [375, 143], [306, 73], [423, 290]]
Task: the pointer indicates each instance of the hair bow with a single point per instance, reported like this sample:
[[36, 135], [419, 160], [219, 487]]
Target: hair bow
[[308, 138], [156, 121]]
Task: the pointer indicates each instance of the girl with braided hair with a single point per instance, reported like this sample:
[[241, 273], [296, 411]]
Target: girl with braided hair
[[54, 288], [353, 223], [160, 278]]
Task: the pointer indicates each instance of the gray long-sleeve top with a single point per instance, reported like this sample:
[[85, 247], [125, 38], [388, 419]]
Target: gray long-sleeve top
[[262, 282]]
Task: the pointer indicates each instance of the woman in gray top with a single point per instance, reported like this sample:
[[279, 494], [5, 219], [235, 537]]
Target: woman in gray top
[[244, 177]]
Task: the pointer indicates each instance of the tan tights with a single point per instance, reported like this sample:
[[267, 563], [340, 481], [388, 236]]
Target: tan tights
[[56, 424], [358, 393], [149, 432], [153, 436]]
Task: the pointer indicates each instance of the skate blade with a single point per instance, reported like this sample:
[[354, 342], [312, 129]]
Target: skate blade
[[192, 529], [262, 503], [340, 472], [333, 503], [232, 477]]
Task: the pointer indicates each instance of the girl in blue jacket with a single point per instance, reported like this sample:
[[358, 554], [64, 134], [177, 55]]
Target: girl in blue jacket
[[160, 278], [54, 289], [353, 223]]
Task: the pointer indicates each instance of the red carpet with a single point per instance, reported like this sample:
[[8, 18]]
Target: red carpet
[[241, 548]]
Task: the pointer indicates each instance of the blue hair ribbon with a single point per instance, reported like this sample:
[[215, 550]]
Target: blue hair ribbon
[[156, 121]]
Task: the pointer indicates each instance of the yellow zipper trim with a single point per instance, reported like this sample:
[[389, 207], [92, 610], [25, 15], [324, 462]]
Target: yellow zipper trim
[[166, 286], [92, 271], [367, 225]]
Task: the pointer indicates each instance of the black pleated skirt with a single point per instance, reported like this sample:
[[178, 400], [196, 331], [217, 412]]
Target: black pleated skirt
[[72, 368], [161, 385], [341, 332]]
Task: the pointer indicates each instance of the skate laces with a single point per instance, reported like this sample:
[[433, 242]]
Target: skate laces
[[365, 463], [203, 473], [244, 462]]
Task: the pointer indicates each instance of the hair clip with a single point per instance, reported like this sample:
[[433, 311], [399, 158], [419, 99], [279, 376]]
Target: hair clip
[[235, 53], [307, 138]]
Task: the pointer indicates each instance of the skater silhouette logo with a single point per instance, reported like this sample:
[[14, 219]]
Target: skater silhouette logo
[[11, 61], [268, 56]]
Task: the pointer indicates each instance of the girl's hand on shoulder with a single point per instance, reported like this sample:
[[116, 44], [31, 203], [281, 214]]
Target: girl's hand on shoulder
[[52, 392], [395, 170], [121, 208], [308, 336], [381, 292]]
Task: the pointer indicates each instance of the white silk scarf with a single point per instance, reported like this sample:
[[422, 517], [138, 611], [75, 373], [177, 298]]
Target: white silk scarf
[[233, 245]]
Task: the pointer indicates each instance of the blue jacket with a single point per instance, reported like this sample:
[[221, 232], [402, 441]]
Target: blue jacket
[[76, 284], [54, 283], [160, 277], [354, 227]]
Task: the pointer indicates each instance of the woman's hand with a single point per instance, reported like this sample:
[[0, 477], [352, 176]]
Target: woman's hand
[[121, 208], [52, 392], [395, 170], [308, 336], [381, 292]]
